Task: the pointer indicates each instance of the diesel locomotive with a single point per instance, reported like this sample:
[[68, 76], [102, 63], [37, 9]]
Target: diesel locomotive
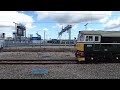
[[98, 45]]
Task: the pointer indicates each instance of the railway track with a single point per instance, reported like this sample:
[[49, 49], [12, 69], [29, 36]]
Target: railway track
[[38, 62]]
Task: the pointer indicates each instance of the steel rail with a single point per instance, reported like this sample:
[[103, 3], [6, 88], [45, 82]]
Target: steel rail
[[38, 62]]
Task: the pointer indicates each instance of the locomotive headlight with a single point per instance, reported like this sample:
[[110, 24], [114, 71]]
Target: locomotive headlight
[[92, 58], [117, 58]]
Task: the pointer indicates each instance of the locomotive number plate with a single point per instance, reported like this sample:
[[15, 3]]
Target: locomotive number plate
[[89, 45]]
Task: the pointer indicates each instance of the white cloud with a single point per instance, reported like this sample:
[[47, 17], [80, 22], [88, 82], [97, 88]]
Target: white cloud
[[29, 26], [8, 17], [75, 26], [59, 26], [45, 29], [43, 15], [104, 20], [111, 24], [14, 16], [64, 18], [70, 17], [93, 29]]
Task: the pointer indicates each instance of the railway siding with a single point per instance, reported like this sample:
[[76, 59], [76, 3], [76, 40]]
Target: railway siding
[[38, 50], [37, 56]]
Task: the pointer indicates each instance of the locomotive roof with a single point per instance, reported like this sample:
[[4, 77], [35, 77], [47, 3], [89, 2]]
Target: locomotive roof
[[102, 33]]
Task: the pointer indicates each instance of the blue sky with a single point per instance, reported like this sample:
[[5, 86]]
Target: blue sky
[[52, 22]]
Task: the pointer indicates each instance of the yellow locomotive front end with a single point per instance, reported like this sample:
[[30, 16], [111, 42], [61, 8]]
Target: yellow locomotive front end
[[80, 52], [80, 48]]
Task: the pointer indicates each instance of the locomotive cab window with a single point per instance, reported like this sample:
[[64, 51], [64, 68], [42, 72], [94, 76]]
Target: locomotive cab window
[[89, 38], [92, 38], [80, 38], [96, 38]]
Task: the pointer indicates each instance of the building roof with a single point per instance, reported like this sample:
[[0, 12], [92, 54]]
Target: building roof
[[102, 33]]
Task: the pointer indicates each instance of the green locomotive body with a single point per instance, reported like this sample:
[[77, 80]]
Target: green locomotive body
[[98, 45]]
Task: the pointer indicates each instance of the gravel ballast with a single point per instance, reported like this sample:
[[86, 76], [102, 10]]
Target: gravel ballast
[[62, 71], [40, 49], [65, 71], [37, 56]]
